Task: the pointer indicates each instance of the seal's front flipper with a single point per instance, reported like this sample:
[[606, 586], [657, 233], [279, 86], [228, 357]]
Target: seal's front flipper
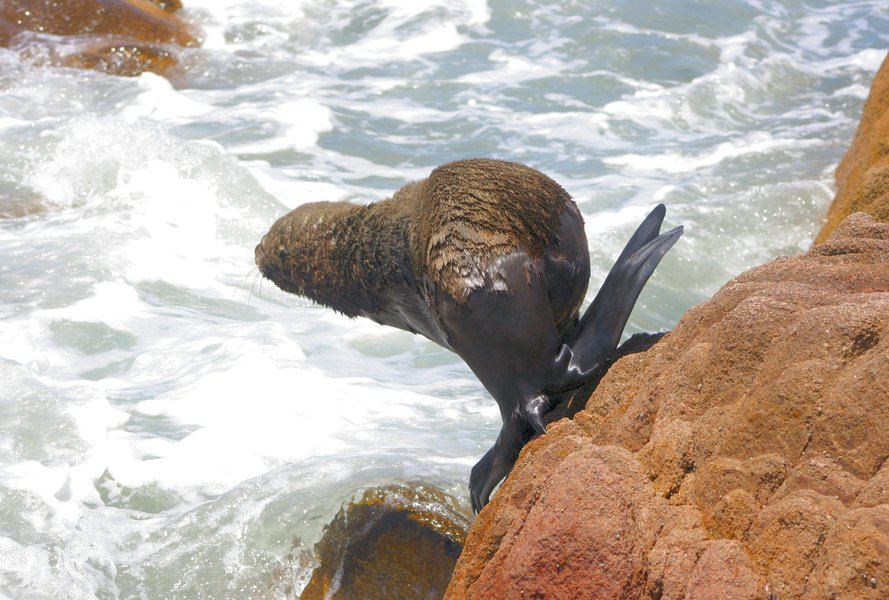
[[598, 332], [498, 461]]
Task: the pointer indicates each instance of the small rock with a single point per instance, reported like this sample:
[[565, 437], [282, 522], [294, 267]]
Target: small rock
[[396, 542], [119, 37]]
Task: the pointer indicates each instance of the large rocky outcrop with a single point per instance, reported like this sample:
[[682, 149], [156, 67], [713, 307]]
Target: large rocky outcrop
[[743, 456], [120, 37], [862, 176]]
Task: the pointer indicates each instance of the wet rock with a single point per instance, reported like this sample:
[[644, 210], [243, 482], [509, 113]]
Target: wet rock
[[396, 542], [126, 60], [746, 451], [121, 37], [862, 176]]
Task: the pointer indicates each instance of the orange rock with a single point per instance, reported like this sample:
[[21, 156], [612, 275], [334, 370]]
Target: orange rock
[[168, 5], [724, 571], [855, 565], [127, 61], [745, 451], [137, 19], [123, 37], [862, 177]]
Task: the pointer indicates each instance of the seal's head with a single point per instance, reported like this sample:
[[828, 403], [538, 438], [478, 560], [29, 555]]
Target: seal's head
[[301, 254]]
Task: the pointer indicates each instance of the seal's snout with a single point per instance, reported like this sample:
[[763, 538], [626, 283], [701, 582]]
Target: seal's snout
[[259, 253], [271, 258], [265, 256]]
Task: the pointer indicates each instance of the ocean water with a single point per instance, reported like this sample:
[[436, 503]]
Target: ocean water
[[171, 426]]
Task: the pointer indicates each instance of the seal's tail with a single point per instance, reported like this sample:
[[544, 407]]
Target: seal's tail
[[598, 332]]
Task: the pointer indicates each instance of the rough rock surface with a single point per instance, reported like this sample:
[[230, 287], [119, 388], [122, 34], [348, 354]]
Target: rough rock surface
[[862, 176], [743, 456], [120, 37], [396, 542]]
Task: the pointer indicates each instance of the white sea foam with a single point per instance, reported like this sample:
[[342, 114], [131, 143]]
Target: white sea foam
[[159, 100], [178, 214], [291, 191], [678, 162], [515, 68], [297, 125]]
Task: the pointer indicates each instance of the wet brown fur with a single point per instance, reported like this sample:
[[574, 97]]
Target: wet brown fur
[[472, 211], [448, 228]]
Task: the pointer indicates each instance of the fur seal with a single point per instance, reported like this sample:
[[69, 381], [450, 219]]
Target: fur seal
[[486, 258]]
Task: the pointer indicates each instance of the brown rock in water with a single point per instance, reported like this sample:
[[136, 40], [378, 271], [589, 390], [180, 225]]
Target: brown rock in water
[[121, 37], [128, 61], [743, 455], [396, 542], [862, 177]]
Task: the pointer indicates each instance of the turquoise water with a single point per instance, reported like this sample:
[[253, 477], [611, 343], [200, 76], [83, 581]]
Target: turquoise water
[[171, 426]]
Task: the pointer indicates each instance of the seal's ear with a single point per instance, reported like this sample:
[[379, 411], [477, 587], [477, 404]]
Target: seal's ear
[[598, 332]]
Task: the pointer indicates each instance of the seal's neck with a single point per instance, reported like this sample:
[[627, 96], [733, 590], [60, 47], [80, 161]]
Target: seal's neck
[[344, 256]]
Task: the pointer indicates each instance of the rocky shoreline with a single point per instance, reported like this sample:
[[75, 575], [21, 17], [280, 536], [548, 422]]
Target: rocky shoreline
[[744, 456]]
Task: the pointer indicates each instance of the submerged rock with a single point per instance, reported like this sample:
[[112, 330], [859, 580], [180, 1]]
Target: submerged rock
[[743, 455], [396, 542], [863, 175], [120, 37]]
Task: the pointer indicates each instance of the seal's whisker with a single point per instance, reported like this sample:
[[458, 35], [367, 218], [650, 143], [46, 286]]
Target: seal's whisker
[[259, 278], [256, 275], [242, 286]]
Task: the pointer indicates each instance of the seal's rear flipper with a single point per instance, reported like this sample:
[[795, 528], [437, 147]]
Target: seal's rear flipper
[[597, 334], [647, 231]]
